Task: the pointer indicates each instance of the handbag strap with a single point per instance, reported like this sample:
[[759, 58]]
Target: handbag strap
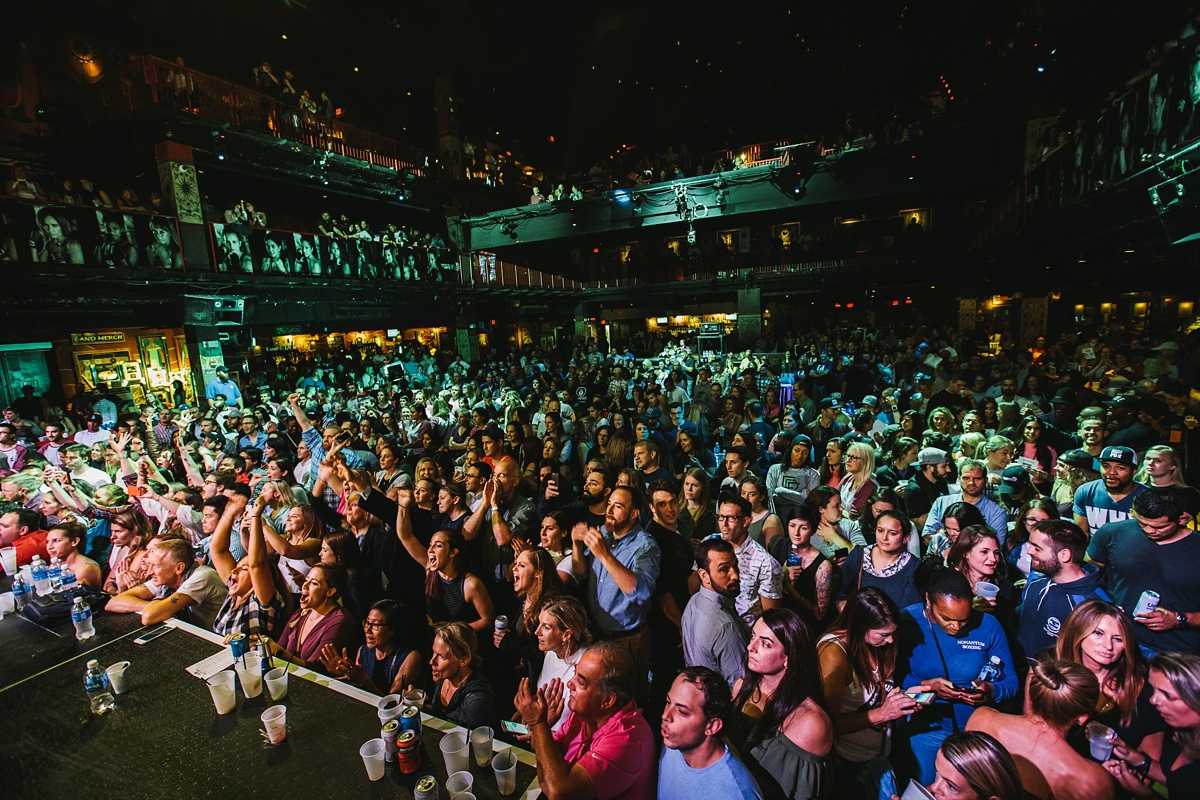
[[945, 667]]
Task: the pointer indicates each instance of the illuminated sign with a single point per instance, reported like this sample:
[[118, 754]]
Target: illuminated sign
[[93, 338]]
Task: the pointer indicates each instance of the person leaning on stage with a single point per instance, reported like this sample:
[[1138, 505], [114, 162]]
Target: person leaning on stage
[[177, 585], [605, 749]]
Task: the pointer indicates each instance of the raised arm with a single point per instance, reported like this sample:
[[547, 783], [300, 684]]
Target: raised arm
[[261, 576], [218, 546], [404, 532]]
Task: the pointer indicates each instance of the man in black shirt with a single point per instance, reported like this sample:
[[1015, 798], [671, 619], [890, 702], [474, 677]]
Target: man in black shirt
[[1125, 428], [956, 396], [671, 594]]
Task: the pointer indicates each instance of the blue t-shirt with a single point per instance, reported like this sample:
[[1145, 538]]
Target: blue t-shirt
[[1093, 504], [1134, 564], [728, 778]]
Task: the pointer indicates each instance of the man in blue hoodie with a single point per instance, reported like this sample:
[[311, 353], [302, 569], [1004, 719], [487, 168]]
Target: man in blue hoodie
[[944, 646], [1056, 550]]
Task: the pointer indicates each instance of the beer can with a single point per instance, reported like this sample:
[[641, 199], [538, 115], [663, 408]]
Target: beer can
[[426, 788], [1146, 603], [408, 754], [501, 622], [410, 720], [238, 645], [388, 734]]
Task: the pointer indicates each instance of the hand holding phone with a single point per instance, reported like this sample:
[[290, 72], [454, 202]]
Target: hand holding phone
[[518, 728]]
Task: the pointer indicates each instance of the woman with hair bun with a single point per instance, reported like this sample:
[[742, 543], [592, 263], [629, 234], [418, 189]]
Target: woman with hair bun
[[1060, 695]]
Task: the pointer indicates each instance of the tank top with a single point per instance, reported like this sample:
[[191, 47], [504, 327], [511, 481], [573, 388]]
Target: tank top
[[867, 743], [452, 605], [382, 671]]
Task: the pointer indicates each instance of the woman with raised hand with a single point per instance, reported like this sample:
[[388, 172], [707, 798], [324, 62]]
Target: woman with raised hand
[[255, 605], [390, 659]]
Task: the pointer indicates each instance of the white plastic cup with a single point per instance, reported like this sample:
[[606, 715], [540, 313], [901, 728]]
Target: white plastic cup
[[250, 675], [8, 604], [915, 791], [390, 707], [8, 559], [277, 683], [221, 687], [27, 574], [118, 676], [454, 751], [504, 764], [1100, 739], [415, 697], [274, 719], [463, 796], [481, 745], [988, 591], [459, 783], [372, 756]]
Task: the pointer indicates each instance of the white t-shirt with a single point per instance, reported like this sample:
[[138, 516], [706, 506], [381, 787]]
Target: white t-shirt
[[89, 438], [563, 669], [205, 587], [93, 477]]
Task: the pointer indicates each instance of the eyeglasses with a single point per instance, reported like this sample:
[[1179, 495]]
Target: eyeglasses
[[375, 626], [728, 517], [1030, 521], [853, 458]]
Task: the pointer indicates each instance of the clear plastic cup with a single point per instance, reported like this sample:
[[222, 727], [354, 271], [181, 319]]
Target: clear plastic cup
[[372, 753], [250, 674], [414, 697], [459, 783], [118, 676], [481, 745], [221, 687], [390, 707], [988, 591], [277, 683], [1100, 739], [274, 719], [504, 764], [454, 751], [8, 604], [8, 559]]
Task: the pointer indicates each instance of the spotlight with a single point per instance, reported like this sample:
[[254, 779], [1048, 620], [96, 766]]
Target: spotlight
[[691, 236]]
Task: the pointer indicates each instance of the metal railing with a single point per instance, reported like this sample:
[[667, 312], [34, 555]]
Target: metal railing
[[150, 81]]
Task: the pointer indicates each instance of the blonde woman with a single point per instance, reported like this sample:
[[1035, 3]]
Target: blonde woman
[[858, 484]]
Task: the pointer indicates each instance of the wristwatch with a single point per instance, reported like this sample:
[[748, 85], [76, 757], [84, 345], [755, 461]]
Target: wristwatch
[[1181, 619]]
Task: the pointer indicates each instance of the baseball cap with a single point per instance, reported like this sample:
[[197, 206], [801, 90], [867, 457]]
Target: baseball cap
[[871, 400], [95, 418], [829, 402], [1063, 395], [1013, 480], [1080, 459], [802, 438], [690, 428], [1167, 346], [221, 368], [931, 456], [652, 413], [1124, 401], [1121, 455]]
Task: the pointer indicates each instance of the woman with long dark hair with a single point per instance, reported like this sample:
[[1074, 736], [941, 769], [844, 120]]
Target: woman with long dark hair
[[697, 517], [897, 467], [858, 664], [783, 725], [792, 478], [1029, 514], [389, 661], [833, 466]]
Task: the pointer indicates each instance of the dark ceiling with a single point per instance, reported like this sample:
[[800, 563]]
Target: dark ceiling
[[563, 84]]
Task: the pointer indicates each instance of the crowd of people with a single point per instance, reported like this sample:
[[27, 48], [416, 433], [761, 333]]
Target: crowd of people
[[873, 557]]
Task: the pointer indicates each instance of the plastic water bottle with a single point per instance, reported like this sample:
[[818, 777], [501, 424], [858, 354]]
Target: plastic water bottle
[[81, 618], [992, 671], [21, 592], [69, 580], [96, 684], [55, 569], [41, 575]]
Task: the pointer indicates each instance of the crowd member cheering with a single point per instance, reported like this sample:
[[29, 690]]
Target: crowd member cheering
[[255, 604], [562, 637], [319, 620], [388, 662], [605, 748]]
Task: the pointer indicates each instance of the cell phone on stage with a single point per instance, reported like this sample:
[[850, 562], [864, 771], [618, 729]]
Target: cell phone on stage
[[152, 635], [514, 727]]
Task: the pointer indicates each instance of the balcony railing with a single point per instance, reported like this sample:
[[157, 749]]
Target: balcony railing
[[149, 81]]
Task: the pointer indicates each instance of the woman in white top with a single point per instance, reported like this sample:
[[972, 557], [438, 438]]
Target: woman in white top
[[562, 634], [858, 660]]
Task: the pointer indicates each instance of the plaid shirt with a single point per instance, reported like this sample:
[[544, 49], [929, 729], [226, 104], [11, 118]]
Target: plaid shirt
[[761, 577], [251, 617]]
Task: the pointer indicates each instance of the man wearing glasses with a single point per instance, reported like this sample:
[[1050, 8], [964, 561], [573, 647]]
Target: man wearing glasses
[[762, 580]]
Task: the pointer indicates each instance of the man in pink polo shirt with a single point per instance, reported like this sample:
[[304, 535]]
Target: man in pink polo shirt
[[605, 749]]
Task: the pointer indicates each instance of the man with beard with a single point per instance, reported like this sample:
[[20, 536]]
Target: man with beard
[[1056, 550], [1109, 498], [620, 565], [714, 636], [670, 591]]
